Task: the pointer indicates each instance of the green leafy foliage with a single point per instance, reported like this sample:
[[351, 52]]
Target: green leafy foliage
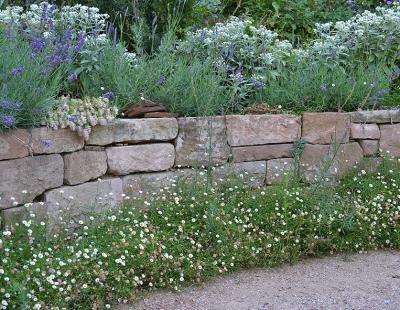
[[318, 86]]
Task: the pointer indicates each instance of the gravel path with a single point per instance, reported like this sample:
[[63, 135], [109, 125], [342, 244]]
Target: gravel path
[[369, 281]]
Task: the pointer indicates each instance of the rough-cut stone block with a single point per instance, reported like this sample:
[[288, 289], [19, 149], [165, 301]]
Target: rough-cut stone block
[[14, 144], [262, 129], [370, 147], [134, 131], [83, 166], [49, 141], [320, 161], [365, 131], [278, 170], [201, 141], [390, 140], [252, 173], [378, 117], [124, 160], [261, 152], [326, 128], [12, 216], [148, 183], [70, 204], [31, 174], [313, 160]]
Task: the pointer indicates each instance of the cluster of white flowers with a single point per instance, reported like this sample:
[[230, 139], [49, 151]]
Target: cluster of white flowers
[[78, 17], [238, 42], [81, 114], [368, 35]]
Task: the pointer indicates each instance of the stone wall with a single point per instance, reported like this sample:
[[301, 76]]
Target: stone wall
[[57, 174]]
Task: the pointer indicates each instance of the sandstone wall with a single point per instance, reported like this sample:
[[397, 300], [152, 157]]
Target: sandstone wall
[[59, 175]]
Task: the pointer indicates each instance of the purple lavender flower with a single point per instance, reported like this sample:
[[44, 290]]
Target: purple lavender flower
[[258, 84], [161, 81], [37, 45], [7, 120], [73, 118], [80, 42], [8, 105], [73, 77], [108, 95], [17, 71]]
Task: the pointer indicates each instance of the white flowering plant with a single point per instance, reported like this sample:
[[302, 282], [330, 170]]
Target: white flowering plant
[[82, 114], [240, 46], [368, 36], [189, 232]]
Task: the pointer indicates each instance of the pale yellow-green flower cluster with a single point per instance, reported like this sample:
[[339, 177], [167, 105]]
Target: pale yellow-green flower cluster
[[81, 114]]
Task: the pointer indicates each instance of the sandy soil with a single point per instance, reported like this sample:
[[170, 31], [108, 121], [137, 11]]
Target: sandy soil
[[368, 281]]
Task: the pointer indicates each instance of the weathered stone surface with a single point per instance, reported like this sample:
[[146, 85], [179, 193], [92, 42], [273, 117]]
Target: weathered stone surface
[[31, 174], [390, 140], [134, 131], [49, 141], [379, 117], [14, 144], [365, 131], [346, 158], [370, 147], [83, 166], [124, 160], [12, 216], [326, 128], [94, 148], [201, 141], [261, 152], [160, 115], [70, 204], [252, 173], [148, 183], [321, 161], [313, 160], [278, 170], [262, 129]]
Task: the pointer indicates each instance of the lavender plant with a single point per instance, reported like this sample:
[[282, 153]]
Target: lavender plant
[[31, 72]]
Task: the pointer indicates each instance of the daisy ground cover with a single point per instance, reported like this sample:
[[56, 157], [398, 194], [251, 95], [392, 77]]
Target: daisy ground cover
[[188, 233]]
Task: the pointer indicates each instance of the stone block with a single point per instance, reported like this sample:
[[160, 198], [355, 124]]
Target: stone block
[[261, 152], [262, 129], [36, 212], [140, 184], [378, 116], [201, 141], [370, 147], [390, 140], [21, 180], [134, 131], [123, 160], [324, 161], [70, 204], [278, 170], [83, 166], [48, 141], [365, 131], [14, 144], [326, 128]]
